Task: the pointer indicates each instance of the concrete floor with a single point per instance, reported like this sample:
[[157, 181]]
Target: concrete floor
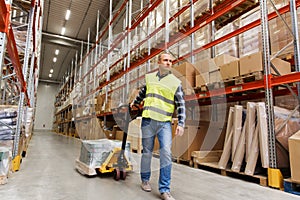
[[48, 173]]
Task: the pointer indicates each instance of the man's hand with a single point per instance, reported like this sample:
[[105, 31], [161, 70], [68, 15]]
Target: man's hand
[[132, 105], [179, 131]]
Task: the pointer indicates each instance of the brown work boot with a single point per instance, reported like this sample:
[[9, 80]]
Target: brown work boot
[[166, 196], [146, 186]]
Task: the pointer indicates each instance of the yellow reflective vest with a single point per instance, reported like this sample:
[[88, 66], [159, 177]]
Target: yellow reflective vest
[[159, 101]]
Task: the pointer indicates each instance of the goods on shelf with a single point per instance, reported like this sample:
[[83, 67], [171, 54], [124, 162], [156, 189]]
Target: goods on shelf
[[247, 139], [294, 146], [254, 62], [230, 46]]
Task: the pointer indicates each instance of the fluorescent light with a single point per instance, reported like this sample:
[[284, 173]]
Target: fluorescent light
[[51, 71], [56, 51], [50, 75], [63, 30], [54, 59], [68, 13]]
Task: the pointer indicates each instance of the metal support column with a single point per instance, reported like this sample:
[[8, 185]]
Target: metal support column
[[274, 174], [128, 47], [149, 29], [167, 27], [193, 34], [294, 18]]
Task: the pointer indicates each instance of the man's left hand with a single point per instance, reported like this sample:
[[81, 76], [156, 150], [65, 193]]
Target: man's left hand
[[179, 131]]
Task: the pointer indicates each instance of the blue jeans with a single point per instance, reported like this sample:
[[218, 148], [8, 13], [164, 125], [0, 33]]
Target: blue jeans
[[163, 131]]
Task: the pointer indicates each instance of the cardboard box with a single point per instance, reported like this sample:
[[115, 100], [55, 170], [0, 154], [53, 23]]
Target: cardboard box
[[185, 69], [215, 76], [282, 66], [119, 135], [202, 79], [187, 143], [251, 63], [230, 70], [254, 62], [110, 135], [205, 137], [224, 59], [204, 66], [294, 146], [187, 81]]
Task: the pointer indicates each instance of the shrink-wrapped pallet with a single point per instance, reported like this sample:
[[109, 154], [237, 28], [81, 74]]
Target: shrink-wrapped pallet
[[95, 152]]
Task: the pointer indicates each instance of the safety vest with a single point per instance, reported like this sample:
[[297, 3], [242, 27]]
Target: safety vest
[[159, 101]]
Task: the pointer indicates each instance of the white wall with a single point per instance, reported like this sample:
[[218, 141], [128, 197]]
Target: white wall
[[44, 115]]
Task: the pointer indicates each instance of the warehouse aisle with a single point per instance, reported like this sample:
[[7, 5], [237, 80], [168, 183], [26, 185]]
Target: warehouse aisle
[[48, 173]]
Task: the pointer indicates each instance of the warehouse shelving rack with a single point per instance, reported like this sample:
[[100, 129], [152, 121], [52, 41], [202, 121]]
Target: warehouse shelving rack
[[25, 65], [220, 12]]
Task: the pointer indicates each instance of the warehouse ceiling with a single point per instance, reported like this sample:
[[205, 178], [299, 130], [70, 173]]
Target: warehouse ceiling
[[82, 18]]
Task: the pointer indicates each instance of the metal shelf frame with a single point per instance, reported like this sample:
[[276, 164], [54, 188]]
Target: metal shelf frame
[[88, 69], [26, 73]]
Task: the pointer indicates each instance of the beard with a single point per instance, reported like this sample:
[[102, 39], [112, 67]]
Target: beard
[[164, 70]]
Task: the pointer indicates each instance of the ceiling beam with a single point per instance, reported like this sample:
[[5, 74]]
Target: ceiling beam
[[49, 81], [62, 40]]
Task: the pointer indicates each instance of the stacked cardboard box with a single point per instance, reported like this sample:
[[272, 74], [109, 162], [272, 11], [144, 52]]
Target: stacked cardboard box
[[216, 69], [186, 73], [89, 129], [294, 146], [254, 62]]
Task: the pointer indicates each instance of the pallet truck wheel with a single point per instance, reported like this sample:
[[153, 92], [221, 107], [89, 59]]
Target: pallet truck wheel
[[117, 174], [123, 174]]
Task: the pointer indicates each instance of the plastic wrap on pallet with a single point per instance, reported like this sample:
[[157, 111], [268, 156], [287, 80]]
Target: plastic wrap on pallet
[[284, 128], [280, 35], [4, 161], [95, 152], [250, 41], [229, 46], [8, 113], [8, 121], [7, 134], [7, 144]]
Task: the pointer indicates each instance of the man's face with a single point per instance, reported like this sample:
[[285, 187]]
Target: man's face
[[165, 61]]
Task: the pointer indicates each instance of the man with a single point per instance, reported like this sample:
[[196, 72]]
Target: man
[[162, 92]]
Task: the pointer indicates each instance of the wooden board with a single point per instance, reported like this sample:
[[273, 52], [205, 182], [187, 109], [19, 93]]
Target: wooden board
[[84, 169], [213, 166], [263, 134], [237, 129]]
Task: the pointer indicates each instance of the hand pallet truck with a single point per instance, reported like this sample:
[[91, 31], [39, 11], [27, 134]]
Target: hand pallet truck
[[117, 162]]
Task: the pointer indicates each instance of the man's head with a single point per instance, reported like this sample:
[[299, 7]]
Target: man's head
[[164, 63]]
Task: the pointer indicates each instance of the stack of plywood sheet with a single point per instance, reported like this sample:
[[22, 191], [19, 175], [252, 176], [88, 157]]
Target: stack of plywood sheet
[[247, 136]]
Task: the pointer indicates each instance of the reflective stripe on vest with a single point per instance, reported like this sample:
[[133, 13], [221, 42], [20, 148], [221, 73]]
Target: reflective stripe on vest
[[159, 101]]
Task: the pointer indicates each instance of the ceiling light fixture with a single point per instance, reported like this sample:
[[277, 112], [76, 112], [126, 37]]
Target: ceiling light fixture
[[68, 13], [50, 75], [63, 30], [56, 51], [54, 59], [51, 71]]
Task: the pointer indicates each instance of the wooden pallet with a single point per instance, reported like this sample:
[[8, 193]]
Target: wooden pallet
[[84, 169], [215, 85], [138, 150], [202, 88], [3, 180], [291, 186], [213, 167], [250, 77], [183, 161]]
